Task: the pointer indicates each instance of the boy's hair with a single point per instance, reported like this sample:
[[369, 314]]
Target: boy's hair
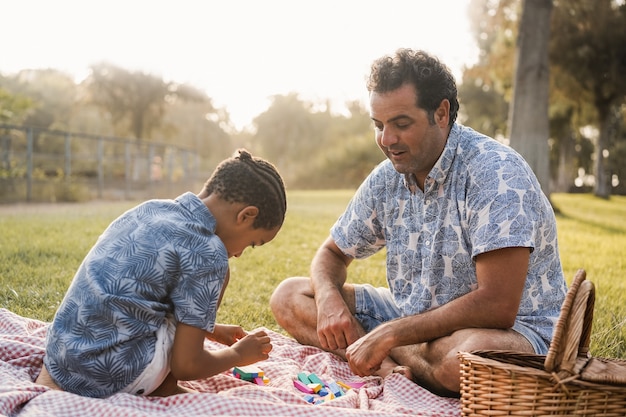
[[432, 80], [243, 178]]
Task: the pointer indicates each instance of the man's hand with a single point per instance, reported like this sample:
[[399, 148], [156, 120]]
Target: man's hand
[[366, 354], [336, 326]]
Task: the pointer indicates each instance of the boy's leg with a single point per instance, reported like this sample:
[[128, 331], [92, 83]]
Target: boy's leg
[[44, 378], [170, 387]]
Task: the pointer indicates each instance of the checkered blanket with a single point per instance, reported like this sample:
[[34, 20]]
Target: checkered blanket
[[21, 353]]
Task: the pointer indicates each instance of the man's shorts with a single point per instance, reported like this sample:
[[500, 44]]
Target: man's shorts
[[156, 372], [375, 305]]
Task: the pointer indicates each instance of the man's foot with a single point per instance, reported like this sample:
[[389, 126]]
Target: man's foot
[[389, 366], [403, 370]]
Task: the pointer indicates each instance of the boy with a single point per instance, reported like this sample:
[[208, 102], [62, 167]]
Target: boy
[[136, 314]]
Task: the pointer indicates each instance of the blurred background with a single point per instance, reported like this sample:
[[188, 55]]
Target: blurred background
[[140, 99]]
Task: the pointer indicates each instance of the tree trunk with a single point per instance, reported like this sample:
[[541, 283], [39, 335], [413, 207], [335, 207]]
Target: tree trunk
[[601, 165], [528, 115], [566, 173]]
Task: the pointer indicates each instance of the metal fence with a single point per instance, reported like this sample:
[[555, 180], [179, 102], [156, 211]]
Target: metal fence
[[39, 165]]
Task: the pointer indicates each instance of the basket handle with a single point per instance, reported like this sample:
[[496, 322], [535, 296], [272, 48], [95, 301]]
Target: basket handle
[[572, 333]]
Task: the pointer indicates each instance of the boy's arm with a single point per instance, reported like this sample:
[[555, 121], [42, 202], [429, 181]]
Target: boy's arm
[[191, 361], [226, 334]]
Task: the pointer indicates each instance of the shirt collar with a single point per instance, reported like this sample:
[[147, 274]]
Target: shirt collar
[[198, 209], [440, 170]]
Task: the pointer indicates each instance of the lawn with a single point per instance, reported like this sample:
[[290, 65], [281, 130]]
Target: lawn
[[41, 246]]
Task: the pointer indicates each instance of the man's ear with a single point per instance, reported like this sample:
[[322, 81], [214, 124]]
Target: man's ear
[[247, 214], [442, 114]]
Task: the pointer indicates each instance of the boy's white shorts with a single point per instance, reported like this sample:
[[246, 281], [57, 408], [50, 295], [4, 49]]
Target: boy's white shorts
[[154, 374]]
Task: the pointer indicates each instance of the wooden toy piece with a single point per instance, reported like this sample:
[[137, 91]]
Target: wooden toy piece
[[334, 388], [315, 379], [266, 380], [259, 381], [309, 398], [356, 385], [326, 395], [248, 372], [344, 385], [303, 377], [302, 387], [315, 387]]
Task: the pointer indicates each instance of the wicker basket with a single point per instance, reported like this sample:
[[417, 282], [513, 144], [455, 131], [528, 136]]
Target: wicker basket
[[566, 381]]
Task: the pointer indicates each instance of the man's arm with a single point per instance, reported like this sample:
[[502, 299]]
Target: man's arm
[[494, 304], [336, 325]]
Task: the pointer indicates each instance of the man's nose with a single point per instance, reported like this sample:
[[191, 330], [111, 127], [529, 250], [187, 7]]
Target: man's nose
[[388, 137]]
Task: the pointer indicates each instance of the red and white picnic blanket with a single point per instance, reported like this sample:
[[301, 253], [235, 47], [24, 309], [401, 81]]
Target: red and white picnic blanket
[[21, 353]]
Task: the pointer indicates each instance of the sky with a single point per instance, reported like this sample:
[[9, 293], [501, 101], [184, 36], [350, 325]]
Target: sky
[[239, 52]]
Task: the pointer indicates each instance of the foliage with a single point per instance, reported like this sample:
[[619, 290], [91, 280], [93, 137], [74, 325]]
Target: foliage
[[43, 245], [587, 50], [289, 129], [135, 98], [314, 148], [13, 108], [589, 44]]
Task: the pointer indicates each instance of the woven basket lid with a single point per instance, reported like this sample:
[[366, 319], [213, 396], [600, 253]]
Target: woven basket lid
[[573, 329]]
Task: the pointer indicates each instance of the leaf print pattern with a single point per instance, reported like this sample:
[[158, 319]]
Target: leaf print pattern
[[158, 260], [480, 196]]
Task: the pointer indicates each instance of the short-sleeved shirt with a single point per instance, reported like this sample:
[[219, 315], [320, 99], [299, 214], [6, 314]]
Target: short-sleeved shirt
[[158, 260], [480, 196]]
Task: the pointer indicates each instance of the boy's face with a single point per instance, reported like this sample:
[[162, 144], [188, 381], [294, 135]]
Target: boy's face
[[236, 243]]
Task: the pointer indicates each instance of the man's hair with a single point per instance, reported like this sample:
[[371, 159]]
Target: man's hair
[[253, 181], [432, 80]]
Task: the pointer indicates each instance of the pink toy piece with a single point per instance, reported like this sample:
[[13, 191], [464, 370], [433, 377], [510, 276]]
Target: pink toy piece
[[302, 387]]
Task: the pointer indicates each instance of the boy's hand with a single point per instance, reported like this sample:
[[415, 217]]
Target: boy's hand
[[226, 334], [252, 348]]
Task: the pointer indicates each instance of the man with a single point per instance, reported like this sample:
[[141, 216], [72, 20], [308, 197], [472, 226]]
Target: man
[[472, 255]]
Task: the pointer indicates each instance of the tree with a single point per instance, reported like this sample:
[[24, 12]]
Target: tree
[[589, 43], [528, 115], [290, 131], [486, 87], [51, 93], [134, 99], [13, 108]]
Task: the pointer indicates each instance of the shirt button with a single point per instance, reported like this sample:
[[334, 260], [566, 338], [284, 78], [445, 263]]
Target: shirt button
[[427, 243]]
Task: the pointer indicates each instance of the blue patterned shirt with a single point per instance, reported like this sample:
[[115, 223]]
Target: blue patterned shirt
[[161, 258], [480, 196]]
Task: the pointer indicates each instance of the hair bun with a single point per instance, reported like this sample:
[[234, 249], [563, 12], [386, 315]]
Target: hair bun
[[244, 155]]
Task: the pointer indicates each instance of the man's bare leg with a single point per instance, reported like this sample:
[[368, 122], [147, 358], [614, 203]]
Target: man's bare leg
[[295, 311], [435, 365]]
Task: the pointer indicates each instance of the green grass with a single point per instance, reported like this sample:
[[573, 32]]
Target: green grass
[[592, 236], [41, 246]]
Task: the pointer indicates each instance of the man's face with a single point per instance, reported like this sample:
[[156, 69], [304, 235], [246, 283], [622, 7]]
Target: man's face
[[404, 133]]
